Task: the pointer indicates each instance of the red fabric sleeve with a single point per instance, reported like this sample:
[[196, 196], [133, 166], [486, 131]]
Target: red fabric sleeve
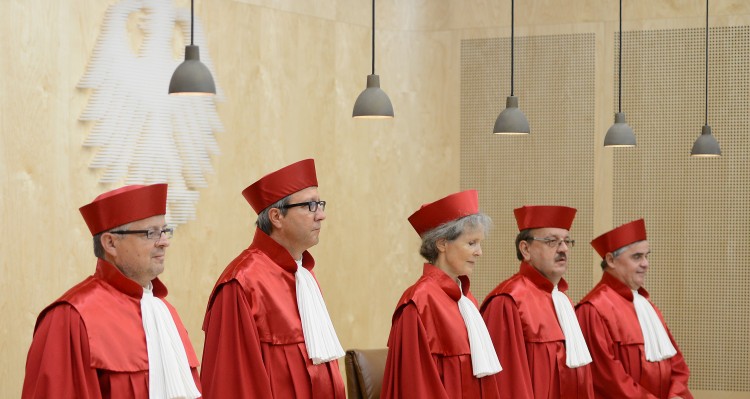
[[678, 385], [610, 377], [232, 358], [58, 363], [504, 324], [410, 371]]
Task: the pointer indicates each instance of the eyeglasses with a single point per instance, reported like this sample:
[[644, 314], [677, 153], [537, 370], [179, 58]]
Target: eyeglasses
[[151, 234], [555, 242], [311, 205]]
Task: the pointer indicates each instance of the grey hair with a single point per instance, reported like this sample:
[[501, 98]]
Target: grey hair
[[98, 247], [264, 221], [617, 252], [450, 231]]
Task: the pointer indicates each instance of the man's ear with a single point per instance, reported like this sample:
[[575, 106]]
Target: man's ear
[[275, 216], [523, 246], [610, 259], [109, 243]]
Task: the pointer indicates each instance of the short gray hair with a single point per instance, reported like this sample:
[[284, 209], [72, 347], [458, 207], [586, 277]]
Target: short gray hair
[[617, 252], [264, 221], [98, 247], [450, 231]]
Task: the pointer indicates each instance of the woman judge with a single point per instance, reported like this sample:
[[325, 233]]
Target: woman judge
[[439, 346]]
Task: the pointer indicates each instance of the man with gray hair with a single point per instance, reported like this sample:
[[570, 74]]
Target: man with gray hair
[[114, 335], [268, 332], [635, 356]]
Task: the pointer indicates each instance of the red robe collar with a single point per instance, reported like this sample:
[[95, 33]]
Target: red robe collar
[[278, 254], [620, 288], [539, 280], [446, 283], [114, 277]]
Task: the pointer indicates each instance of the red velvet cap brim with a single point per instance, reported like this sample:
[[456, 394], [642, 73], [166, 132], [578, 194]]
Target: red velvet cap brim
[[124, 205], [619, 237], [541, 216], [277, 185], [452, 207]]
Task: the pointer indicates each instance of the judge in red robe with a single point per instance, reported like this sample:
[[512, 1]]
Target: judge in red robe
[[439, 347], [91, 342], [627, 362], [530, 319], [260, 341]]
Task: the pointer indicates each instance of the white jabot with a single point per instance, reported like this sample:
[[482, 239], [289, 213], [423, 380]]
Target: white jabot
[[320, 338], [169, 375], [484, 360], [575, 346], [655, 338]]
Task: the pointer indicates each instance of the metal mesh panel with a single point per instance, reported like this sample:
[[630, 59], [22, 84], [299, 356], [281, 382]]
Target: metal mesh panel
[[554, 79], [696, 210]]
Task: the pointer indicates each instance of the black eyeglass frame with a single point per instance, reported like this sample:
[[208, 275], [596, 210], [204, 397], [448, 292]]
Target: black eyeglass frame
[[169, 231], [549, 241], [312, 206]]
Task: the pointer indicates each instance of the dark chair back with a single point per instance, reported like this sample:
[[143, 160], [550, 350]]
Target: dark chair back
[[364, 372]]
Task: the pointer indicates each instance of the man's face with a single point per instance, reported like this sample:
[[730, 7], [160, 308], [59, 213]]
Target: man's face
[[138, 257], [300, 227], [631, 265], [550, 260]]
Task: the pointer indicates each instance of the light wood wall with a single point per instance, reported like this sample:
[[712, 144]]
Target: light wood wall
[[290, 71]]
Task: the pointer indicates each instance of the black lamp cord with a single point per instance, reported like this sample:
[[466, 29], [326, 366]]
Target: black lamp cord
[[191, 22], [373, 37], [706, 63], [512, 28], [619, 66]]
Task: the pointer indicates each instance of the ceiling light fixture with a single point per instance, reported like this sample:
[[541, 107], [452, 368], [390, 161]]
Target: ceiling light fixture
[[373, 103], [192, 77], [511, 121], [619, 134]]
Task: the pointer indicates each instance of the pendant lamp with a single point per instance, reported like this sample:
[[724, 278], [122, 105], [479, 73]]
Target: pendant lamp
[[373, 103], [511, 121], [620, 134], [706, 145], [192, 77]]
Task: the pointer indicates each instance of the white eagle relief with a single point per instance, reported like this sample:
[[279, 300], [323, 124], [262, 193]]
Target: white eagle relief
[[143, 134]]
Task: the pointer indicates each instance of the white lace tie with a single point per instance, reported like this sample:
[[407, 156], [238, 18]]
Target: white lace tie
[[320, 338], [655, 339], [169, 375], [484, 360], [577, 353]]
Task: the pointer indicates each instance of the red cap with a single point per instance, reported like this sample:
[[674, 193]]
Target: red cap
[[277, 185], [452, 207], [124, 205], [617, 238], [540, 216]]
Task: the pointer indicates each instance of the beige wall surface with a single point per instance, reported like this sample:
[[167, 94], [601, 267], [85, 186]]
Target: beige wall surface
[[290, 72]]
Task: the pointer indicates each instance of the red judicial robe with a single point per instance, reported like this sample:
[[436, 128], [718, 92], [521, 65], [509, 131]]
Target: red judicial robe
[[428, 348], [613, 333], [522, 322], [254, 344], [90, 342]]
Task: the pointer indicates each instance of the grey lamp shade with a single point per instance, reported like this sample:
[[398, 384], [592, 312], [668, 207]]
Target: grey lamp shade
[[373, 102], [192, 77], [511, 120], [620, 134], [706, 145]]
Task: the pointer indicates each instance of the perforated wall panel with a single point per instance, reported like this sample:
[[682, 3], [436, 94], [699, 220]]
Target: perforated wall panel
[[696, 210], [554, 79]]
